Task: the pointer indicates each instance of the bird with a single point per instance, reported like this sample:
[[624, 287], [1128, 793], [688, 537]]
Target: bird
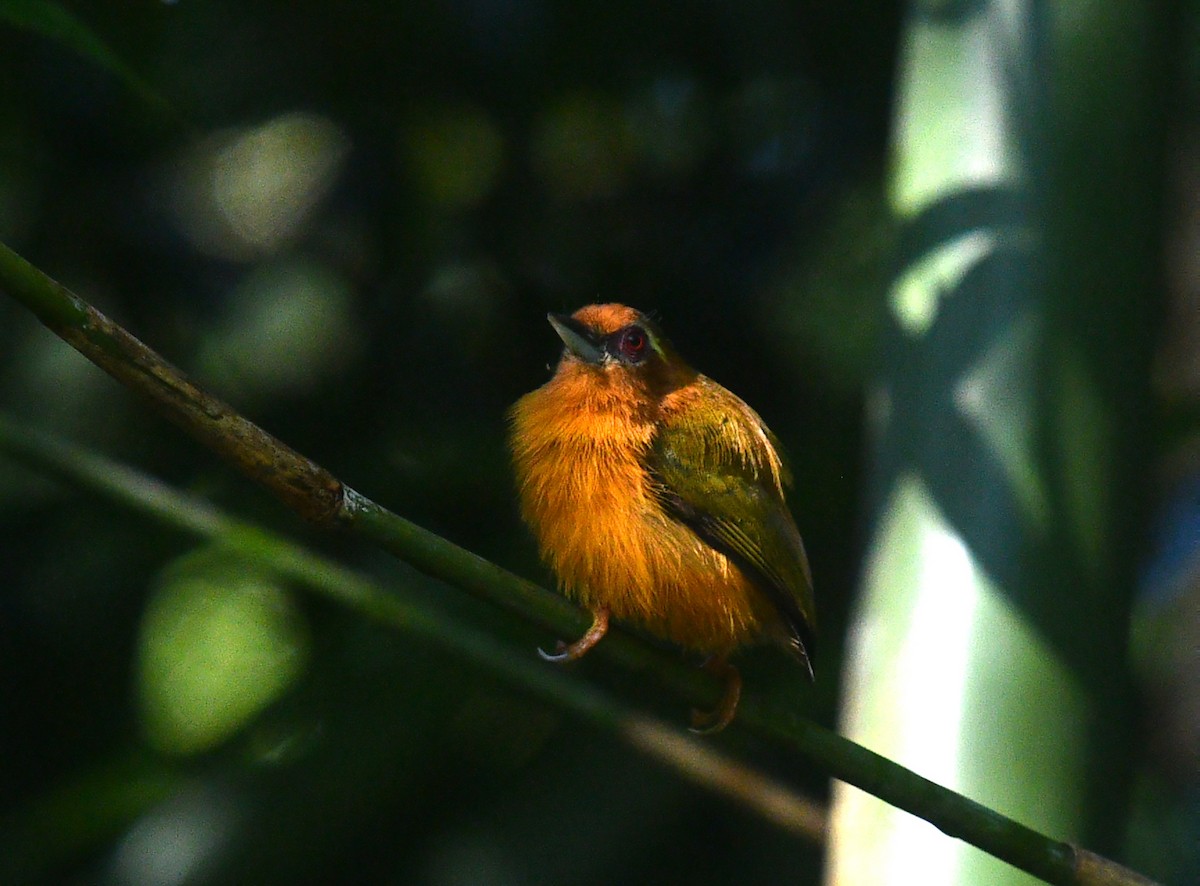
[[657, 498]]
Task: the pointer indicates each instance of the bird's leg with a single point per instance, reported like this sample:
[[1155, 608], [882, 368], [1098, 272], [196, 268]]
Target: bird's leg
[[579, 648], [708, 722]]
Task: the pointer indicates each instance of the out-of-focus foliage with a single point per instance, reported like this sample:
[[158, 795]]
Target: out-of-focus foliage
[[351, 223], [350, 220], [218, 643], [1010, 447]]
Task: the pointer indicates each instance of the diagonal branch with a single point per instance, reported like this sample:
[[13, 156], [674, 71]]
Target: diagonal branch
[[319, 497], [687, 756]]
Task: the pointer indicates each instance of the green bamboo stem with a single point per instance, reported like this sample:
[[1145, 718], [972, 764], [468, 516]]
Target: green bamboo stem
[[687, 756], [319, 497]]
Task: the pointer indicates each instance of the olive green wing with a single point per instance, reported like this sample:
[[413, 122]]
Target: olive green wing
[[717, 471]]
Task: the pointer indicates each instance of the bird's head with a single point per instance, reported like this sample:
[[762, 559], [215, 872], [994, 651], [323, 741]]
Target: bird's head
[[619, 341]]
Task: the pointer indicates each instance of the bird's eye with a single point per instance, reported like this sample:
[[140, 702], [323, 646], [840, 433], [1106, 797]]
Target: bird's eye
[[631, 344]]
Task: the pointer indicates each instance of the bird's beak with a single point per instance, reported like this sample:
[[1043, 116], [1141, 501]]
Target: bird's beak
[[580, 340]]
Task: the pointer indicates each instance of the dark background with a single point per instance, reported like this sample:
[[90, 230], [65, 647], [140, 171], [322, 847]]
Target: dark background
[[445, 173]]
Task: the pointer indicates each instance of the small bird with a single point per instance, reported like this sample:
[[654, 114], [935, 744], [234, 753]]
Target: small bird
[[657, 498]]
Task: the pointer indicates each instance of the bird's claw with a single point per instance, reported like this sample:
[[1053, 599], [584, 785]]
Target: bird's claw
[[708, 722], [560, 654]]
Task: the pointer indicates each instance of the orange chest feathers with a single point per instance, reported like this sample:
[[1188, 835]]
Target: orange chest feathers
[[580, 451]]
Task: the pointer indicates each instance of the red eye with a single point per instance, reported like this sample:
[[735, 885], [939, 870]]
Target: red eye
[[632, 344]]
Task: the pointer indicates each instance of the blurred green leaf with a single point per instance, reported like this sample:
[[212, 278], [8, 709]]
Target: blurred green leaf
[[219, 642], [56, 23], [455, 156]]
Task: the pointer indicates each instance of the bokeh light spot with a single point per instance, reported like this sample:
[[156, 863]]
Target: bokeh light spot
[[244, 193], [455, 157], [289, 325], [582, 148], [217, 645]]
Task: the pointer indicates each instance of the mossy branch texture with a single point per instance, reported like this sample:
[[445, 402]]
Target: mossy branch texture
[[320, 498]]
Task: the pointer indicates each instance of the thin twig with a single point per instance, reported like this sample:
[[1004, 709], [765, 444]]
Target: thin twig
[[690, 758], [319, 497]]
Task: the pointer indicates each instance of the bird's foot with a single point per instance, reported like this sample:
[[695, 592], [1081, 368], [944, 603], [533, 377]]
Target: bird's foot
[[708, 722], [564, 652]]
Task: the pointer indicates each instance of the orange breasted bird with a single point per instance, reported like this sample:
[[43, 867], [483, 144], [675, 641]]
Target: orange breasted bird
[[657, 498]]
